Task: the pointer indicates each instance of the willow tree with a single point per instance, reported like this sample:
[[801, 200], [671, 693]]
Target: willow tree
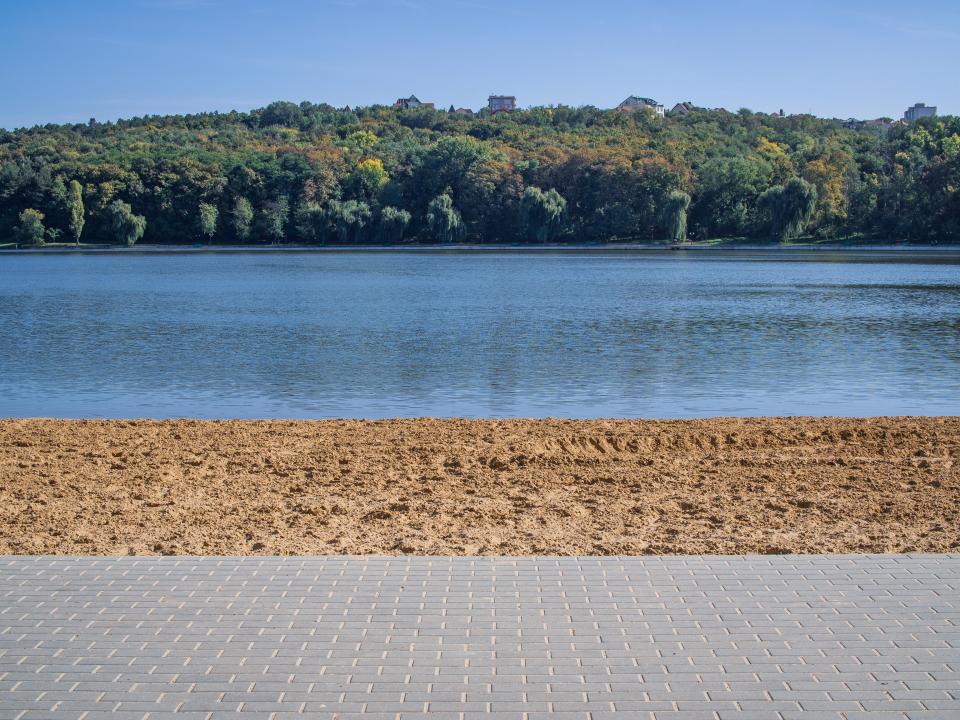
[[30, 231], [242, 218], [75, 207], [309, 222], [275, 217], [542, 213], [127, 227], [675, 215], [346, 220], [208, 220], [393, 221], [443, 220], [789, 207]]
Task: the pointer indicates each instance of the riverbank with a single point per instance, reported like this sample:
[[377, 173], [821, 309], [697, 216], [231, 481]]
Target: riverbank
[[471, 487], [705, 246]]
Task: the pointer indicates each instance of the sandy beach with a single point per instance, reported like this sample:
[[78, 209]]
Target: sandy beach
[[479, 487]]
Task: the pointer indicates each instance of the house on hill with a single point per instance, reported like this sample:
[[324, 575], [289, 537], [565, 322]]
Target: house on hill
[[882, 123], [683, 108], [411, 103], [459, 111], [501, 103], [855, 124], [639, 103]]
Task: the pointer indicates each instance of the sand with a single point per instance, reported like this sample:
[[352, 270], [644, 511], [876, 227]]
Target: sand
[[479, 487]]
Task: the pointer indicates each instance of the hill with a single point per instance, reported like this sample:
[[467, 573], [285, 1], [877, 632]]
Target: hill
[[316, 174]]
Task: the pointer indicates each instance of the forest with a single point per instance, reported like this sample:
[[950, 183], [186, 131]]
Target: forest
[[314, 174]]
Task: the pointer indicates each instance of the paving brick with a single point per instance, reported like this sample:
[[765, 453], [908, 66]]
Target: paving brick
[[809, 637]]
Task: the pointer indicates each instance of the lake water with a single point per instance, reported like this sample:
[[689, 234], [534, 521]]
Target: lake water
[[479, 334]]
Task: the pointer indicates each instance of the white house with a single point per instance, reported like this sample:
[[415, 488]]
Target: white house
[[638, 103], [501, 103]]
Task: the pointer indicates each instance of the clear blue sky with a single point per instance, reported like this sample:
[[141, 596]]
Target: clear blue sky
[[69, 60]]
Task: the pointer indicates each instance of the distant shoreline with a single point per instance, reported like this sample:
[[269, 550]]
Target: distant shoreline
[[493, 248]]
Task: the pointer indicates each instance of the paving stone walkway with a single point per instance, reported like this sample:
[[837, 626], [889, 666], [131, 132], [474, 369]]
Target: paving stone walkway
[[523, 638]]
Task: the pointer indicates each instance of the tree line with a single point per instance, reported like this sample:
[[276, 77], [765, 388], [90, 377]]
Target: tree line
[[315, 174]]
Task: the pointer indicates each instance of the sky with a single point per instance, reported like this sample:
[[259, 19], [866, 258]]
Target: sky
[[71, 60]]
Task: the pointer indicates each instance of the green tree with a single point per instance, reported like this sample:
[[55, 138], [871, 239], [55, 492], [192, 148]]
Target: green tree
[[282, 113], [489, 201], [242, 218], [309, 222], [443, 220], [58, 190], [391, 225], [368, 179], [346, 220], [542, 214], [444, 166], [128, 228], [362, 140], [675, 215], [74, 202], [30, 231], [275, 216], [951, 146], [208, 220], [789, 207], [726, 195], [616, 220]]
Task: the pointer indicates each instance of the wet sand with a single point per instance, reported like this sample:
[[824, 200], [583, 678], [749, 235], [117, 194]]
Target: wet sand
[[480, 487]]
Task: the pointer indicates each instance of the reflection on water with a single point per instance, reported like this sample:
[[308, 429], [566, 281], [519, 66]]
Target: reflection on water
[[597, 334]]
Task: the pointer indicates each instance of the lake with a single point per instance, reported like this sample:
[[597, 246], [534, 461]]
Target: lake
[[479, 334]]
